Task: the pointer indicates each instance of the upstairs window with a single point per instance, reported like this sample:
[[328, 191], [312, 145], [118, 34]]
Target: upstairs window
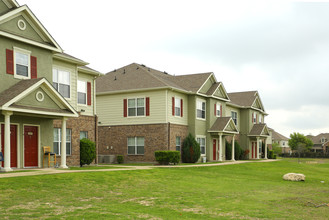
[[235, 117], [82, 92], [136, 107], [61, 82], [201, 109]]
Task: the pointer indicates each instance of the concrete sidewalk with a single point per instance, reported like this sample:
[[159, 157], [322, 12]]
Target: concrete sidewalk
[[48, 171]]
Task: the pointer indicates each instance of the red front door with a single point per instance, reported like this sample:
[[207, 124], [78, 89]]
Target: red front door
[[214, 149], [30, 146], [13, 144]]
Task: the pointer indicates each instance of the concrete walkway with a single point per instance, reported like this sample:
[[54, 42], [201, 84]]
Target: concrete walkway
[[48, 171]]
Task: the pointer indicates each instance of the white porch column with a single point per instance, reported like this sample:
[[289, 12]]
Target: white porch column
[[265, 150], [233, 152], [6, 152], [63, 144], [257, 148], [220, 146]]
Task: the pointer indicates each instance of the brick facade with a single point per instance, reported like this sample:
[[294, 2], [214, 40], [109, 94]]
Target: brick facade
[[113, 140], [82, 123]]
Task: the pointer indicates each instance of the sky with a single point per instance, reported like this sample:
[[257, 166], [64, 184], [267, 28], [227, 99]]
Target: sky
[[279, 48]]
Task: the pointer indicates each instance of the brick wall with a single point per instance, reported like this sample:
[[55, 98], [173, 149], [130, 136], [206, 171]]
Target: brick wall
[[113, 140], [82, 123]]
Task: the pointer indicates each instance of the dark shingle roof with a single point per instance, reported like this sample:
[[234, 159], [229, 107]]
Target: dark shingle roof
[[136, 76], [16, 89], [245, 99]]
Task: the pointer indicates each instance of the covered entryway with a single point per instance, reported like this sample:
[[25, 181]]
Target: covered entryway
[[223, 126], [13, 144], [31, 146]]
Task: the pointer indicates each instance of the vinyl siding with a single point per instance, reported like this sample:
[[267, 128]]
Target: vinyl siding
[[110, 108], [177, 119], [89, 109]]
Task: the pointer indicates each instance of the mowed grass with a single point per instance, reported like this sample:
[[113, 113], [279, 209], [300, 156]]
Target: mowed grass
[[241, 191]]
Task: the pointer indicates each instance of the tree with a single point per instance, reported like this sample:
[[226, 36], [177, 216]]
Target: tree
[[87, 151], [296, 139], [190, 150]]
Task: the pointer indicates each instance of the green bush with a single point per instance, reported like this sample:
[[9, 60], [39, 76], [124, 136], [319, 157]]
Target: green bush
[[190, 150], [120, 159], [166, 157], [87, 151]]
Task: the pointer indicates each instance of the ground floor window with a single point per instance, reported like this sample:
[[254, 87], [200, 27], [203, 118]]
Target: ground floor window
[[202, 143], [178, 143], [135, 145], [83, 134], [58, 140]]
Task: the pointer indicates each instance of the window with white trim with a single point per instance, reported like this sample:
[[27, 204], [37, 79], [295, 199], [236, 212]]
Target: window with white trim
[[58, 140], [178, 143], [83, 134], [22, 63], [177, 107], [218, 109], [234, 117], [61, 82], [202, 143], [201, 109], [136, 107], [254, 118], [82, 92], [135, 145]]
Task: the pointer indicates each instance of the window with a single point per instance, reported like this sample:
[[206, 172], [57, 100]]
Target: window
[[177, 107], [82, 92], [22, 63], [202, 143], [83, 134], [201, 109], [218, 110], [235, 117], [58, 139], [136, 107], [135, 145], [61, 82], [178, 143], [254, 118]]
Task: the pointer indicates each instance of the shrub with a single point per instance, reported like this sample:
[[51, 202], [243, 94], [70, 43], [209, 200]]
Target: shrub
[[190, 150], [87, 151], [166, 157], [120, 159]]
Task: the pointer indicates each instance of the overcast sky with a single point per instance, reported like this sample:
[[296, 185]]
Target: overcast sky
[[279, 48]]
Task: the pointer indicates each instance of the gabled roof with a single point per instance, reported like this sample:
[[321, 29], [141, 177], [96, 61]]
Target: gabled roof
[[259, 130], [224, 125], [248, 99], [10, 99], [48, 41], [140, 77], [278, 137]]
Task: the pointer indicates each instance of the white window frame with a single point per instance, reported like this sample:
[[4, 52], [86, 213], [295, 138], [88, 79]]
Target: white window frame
[[178, 108], [199, 137], [86, 134], [179, 144], [85, 92], [202, 110], [218, 109], [135, 145], [59, 141], [136, 107], [28, 54], [58, 69], [235, 120]]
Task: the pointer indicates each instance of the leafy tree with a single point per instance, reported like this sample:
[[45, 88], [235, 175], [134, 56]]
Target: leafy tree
[[296, 139], [191, 150], [87, 151]]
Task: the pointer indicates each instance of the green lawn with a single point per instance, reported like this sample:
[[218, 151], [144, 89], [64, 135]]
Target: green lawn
[[242, 191]]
